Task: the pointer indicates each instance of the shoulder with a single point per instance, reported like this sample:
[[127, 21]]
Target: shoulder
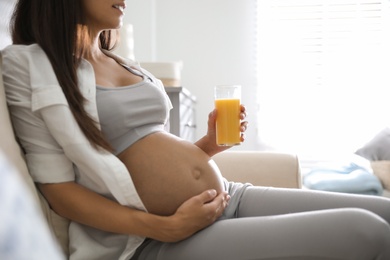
[[31, 56], [31, 61], [25, 59], [29, 77], [20, 51]]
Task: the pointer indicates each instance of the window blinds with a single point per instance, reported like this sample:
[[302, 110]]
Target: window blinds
[[323, 73]]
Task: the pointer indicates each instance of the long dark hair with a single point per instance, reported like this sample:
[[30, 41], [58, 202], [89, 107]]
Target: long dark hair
[[56, 25]]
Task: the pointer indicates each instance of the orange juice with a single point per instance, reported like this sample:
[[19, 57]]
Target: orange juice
[[228, 121]]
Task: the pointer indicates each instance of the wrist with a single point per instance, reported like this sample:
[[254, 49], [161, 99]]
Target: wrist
[[204, 144], [161, 228]]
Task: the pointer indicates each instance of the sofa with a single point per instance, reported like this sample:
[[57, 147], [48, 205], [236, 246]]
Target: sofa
[[258, 168]]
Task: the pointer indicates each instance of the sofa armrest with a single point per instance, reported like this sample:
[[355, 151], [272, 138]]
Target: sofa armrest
[[260, 168]]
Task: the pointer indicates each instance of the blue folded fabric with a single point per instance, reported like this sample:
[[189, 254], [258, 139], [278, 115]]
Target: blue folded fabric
[[348, 177]]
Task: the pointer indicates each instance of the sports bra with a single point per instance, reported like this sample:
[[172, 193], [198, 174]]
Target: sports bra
[[129, 113]]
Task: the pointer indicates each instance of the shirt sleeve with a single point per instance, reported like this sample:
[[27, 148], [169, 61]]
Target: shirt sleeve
[[45, 159], [56, 148]]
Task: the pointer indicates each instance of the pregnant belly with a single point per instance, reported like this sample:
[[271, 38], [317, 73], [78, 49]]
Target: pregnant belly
[[167, 171]]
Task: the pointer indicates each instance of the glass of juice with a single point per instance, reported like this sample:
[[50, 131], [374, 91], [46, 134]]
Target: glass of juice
[[227, 102]]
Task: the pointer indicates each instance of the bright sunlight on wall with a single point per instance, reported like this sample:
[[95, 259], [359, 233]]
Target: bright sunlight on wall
[[323, 73]]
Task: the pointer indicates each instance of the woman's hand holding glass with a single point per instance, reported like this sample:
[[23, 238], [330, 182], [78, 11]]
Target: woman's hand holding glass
[[208, 143]]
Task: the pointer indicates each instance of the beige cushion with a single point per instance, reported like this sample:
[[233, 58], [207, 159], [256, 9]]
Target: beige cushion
[[14, 154], [260, 168], [382, 171]]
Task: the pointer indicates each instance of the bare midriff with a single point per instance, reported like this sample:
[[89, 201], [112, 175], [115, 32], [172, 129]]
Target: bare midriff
[[167, 171]]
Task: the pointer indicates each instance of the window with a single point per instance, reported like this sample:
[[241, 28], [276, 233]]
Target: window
[[323, 74]]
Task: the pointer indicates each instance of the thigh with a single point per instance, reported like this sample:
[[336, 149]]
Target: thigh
[[329, 234], [265, 201]]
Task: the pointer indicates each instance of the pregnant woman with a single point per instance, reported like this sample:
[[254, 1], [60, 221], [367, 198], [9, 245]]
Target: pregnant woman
[[165, 169], [92, 127]]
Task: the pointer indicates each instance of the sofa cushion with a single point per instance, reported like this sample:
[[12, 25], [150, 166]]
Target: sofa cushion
[[9, 145], [14, 154]]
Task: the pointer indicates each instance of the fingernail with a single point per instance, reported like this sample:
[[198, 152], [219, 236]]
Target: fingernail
[[213, 193]]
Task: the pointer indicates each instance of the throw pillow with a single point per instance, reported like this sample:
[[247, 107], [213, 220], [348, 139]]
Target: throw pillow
[[378, 148]]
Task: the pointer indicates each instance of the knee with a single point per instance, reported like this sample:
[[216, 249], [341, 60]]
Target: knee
[[370, 228]]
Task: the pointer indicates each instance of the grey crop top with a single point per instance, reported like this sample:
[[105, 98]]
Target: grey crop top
[[130, 113]]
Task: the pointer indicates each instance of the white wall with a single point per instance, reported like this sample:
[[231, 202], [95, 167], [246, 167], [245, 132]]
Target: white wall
[[215, 39], [6, 7]]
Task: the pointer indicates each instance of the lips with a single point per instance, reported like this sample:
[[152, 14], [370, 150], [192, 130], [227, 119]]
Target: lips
[[120, 7]]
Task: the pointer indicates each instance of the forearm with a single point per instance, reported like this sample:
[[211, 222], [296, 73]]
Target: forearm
[[81, 205], [211, 150], [208, 142]]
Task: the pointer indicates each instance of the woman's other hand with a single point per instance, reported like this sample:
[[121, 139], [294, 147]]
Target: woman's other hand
[[208, 143], [193, 215], [84, 206]]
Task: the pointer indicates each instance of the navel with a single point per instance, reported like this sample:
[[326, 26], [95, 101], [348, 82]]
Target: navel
[[196, 173]]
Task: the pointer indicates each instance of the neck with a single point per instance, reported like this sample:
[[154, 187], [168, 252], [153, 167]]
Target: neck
[[93, 51]]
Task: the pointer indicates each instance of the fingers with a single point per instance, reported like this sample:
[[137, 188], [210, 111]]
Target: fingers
[[242, 137], [212, 119], [217, 206], [243, 108], [244, 126], [243, 113], [213, 114], [207, 196], [214, 204], [195, 214]]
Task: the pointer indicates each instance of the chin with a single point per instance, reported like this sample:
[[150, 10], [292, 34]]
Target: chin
[[119, 26], [114, 26]]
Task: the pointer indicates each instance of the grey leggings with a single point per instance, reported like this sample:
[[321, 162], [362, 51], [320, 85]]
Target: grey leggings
[[273, 223]]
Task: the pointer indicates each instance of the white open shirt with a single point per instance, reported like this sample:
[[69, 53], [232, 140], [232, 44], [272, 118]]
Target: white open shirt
[[57, 150]]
